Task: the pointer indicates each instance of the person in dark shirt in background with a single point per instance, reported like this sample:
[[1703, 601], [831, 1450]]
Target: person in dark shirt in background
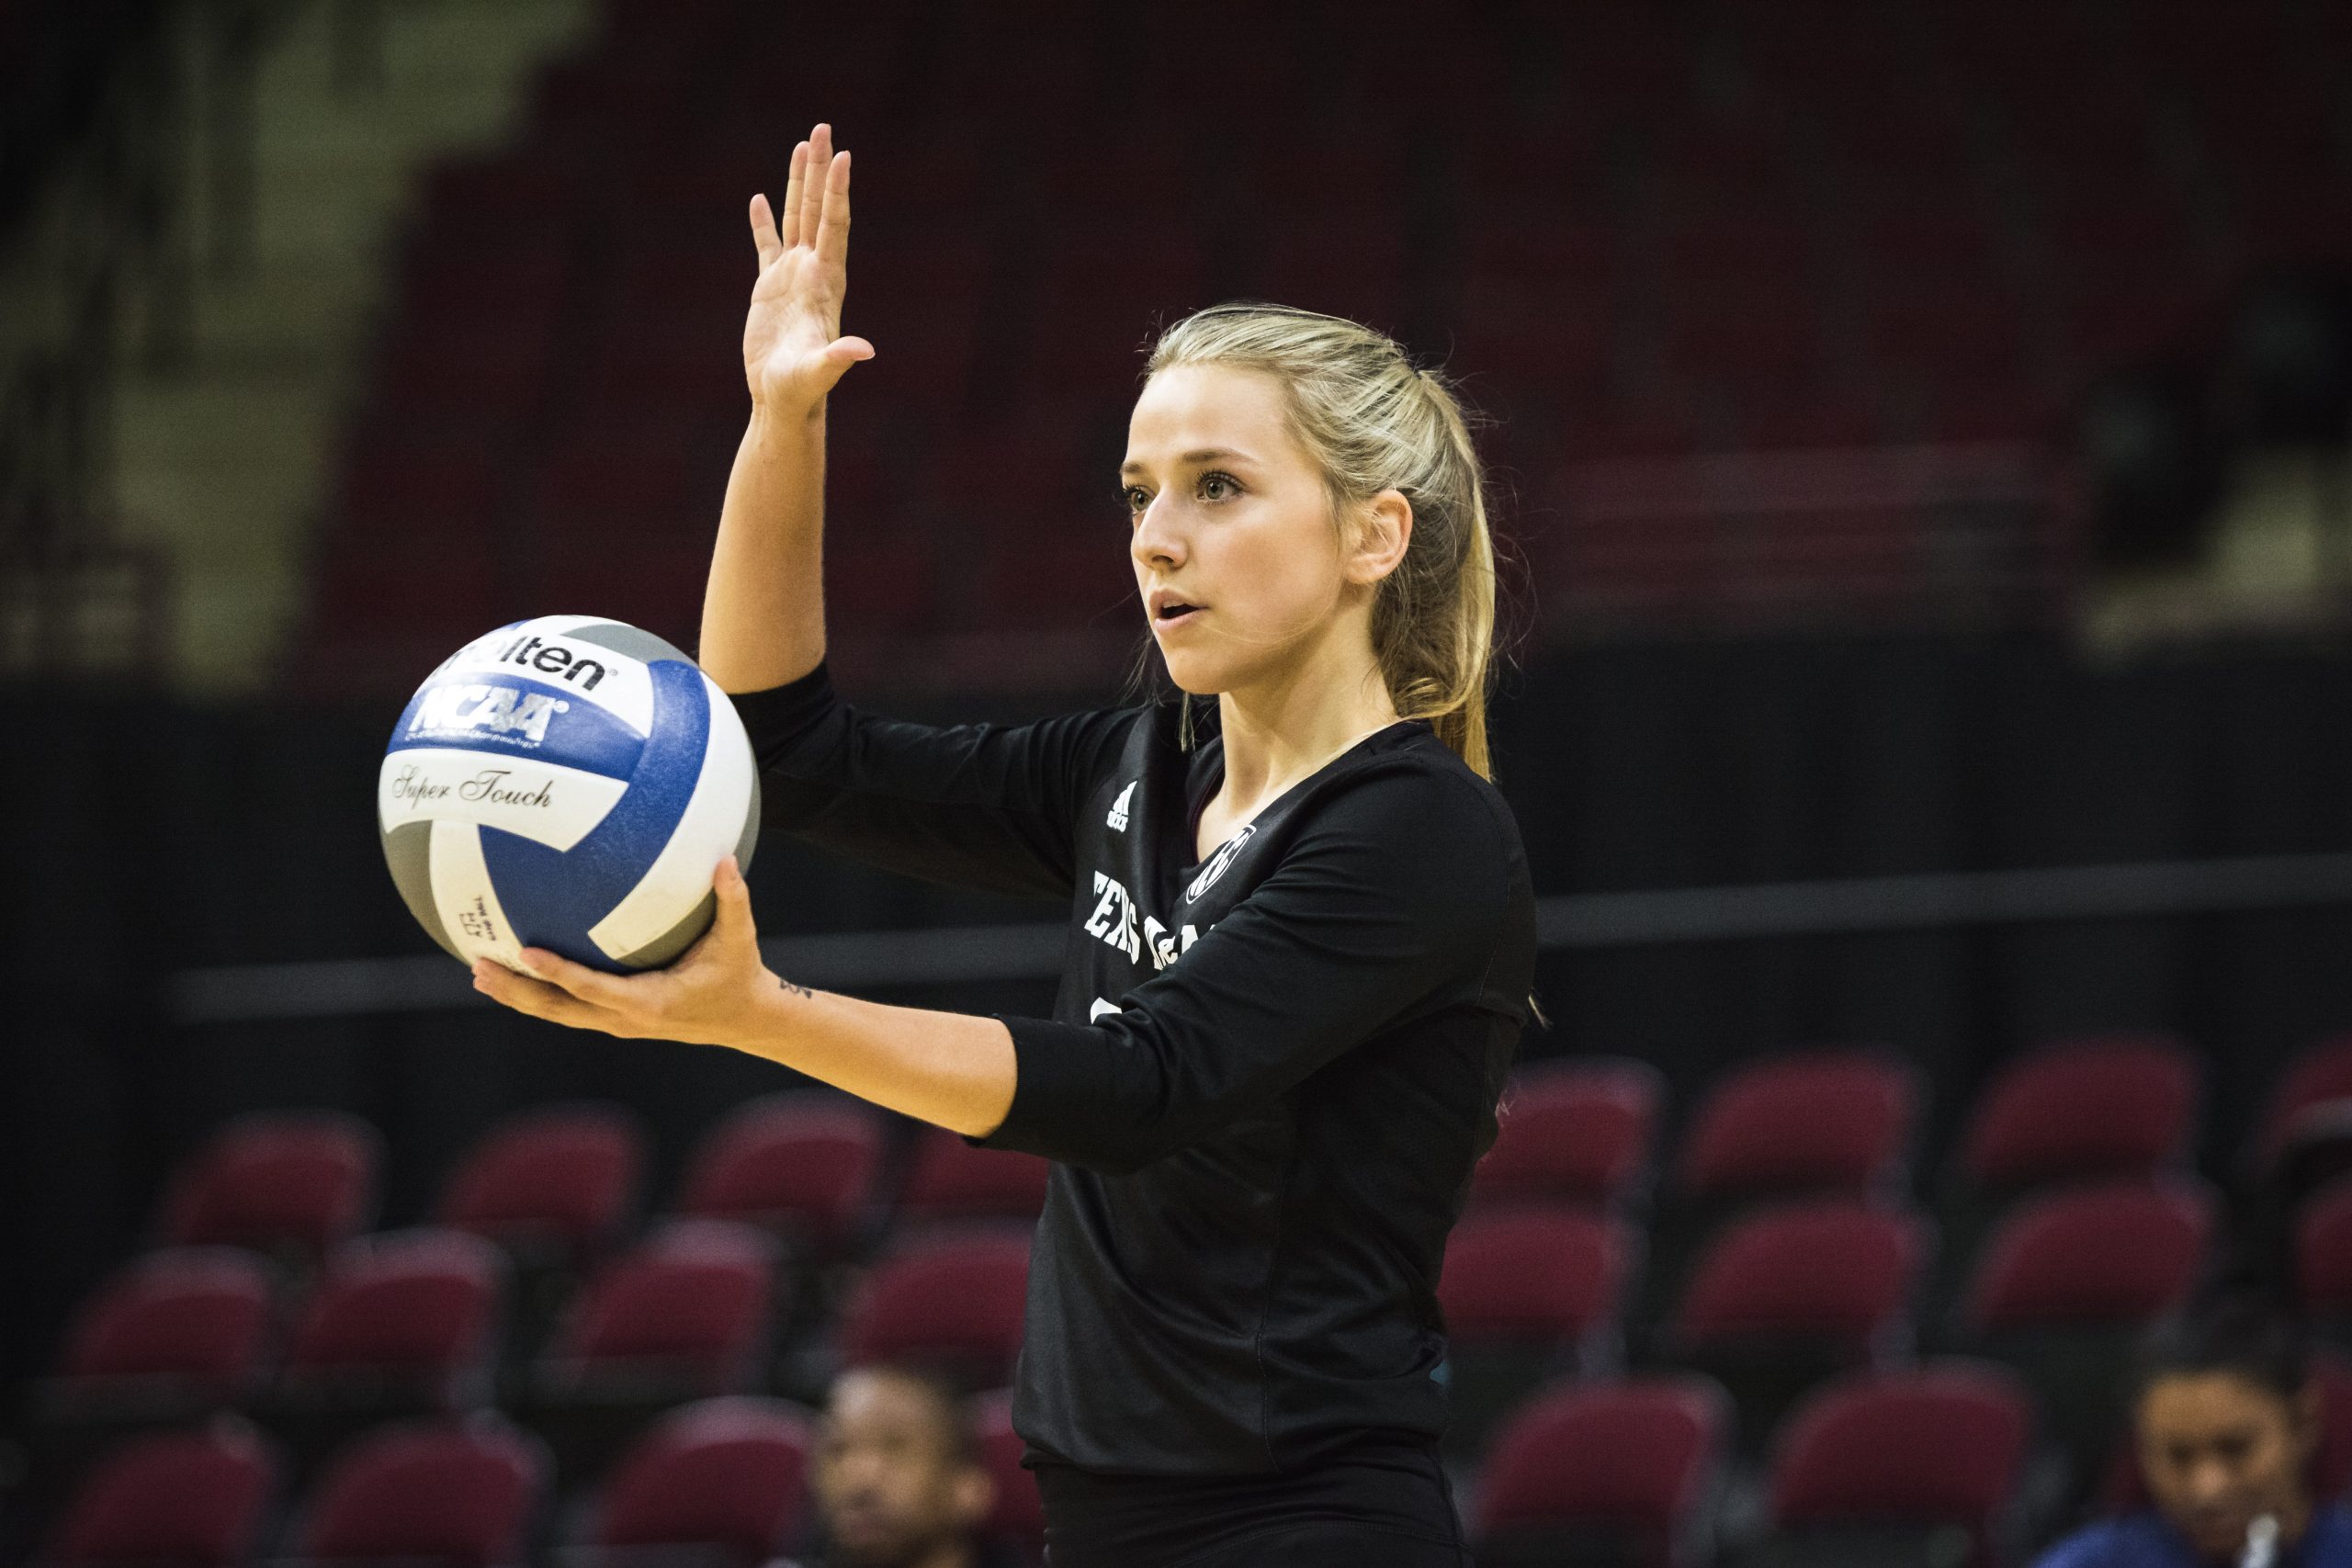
[[897, 1476], [2225, 1423]]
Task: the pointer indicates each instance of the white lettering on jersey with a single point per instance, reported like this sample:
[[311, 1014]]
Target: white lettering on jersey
[[1163, 945], [1118, 819], [1115, 918], [1118, 924], [1100, 1007]]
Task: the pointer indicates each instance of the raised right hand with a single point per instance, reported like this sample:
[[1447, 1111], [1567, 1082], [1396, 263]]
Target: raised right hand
[[792, 350]]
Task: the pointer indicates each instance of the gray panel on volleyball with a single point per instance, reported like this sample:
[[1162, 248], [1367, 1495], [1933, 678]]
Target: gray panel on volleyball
[[408, 850], [750, 837], [629, 640], [665, 948]]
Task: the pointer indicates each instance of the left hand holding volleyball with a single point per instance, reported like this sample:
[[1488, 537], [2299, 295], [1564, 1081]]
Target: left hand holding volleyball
[[717, 993]]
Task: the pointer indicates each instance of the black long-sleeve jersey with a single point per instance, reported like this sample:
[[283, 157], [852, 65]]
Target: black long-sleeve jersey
[[1267, 1075]]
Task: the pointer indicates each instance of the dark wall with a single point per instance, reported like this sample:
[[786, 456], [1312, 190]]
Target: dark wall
[[138, 839]]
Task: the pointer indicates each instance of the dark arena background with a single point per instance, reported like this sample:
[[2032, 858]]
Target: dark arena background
[[1922, 429]]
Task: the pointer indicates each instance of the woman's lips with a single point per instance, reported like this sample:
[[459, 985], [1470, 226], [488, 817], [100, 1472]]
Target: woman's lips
[[1180, 617]]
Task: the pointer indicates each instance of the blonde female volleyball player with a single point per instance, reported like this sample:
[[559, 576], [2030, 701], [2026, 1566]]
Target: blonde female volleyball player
[[1301, 942]]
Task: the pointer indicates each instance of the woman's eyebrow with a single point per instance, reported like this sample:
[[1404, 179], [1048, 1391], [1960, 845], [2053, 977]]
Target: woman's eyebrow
[[1193, 458]]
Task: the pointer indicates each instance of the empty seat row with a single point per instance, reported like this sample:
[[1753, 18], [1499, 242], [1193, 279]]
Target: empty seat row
[[412, 1318], [1923, 1463], [561, 1183], [723, 1478]]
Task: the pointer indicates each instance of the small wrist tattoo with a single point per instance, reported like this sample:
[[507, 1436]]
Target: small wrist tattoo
[[796, 990]]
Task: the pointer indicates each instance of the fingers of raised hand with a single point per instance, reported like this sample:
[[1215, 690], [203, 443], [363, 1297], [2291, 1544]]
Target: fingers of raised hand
[[764, 238], [832, 236], [795, 184]]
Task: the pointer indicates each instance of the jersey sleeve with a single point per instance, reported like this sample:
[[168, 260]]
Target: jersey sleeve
[[983, 806], [1403, 897]]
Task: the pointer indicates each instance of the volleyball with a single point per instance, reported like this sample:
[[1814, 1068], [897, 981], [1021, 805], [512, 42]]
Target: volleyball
[[568, 782]]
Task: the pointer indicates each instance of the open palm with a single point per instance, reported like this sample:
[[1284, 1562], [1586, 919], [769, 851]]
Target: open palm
[[793, 352]]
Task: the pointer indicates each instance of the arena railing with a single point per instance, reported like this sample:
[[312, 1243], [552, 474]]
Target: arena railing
[[963, 954]]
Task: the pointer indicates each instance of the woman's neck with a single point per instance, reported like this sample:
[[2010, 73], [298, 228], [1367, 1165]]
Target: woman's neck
[[1279, 731]]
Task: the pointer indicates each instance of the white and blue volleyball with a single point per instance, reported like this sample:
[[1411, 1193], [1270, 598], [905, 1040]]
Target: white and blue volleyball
[[567, 782]]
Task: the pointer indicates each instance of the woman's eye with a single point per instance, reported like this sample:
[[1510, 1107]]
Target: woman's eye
[[1135, 498], [1217, 486]]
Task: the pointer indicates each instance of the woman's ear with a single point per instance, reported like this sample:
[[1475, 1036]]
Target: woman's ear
[[1384, 531]]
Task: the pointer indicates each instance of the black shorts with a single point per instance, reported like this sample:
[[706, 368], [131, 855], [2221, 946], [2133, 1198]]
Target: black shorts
[[1372, 1505]]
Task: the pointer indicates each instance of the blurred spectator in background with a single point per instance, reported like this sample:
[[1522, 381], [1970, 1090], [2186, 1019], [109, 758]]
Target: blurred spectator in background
[[2226, 1421], [897, 1478]]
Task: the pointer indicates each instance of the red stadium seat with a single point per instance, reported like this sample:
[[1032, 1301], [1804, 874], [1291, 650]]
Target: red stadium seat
[[1575, 1130], [1549, 1275], [558, 1181], [947, 1178], [2116, 1106], [294, 1181], [689, 1304], [1833, 1270], [2323, 1253], [2323, 1073], [721, 1476], [1792, 1295], [182, 1326], [1826, 1123], [1018, 1519], [1528, 1294], [1899, 1455], [417, 1310], [1625, 1463], [801, 1164], [953, 1300], [2115, 1253], [460, 1494], [197, 1498]]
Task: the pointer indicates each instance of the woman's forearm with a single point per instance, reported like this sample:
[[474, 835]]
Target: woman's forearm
[[952, 1069], [764, 611]]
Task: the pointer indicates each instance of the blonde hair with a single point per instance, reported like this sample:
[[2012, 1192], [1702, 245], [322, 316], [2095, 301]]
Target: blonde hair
[[1372, 421]]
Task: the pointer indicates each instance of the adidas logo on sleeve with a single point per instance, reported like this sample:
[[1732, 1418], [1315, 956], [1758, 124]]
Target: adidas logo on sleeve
[[1118, 818]]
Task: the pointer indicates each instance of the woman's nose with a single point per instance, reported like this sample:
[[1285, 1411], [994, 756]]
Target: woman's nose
[[1155, 541]]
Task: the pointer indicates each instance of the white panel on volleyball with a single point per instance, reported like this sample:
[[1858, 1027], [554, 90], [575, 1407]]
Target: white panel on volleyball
[[539, 650], [545, 802], [462, 894], [706, 834]]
